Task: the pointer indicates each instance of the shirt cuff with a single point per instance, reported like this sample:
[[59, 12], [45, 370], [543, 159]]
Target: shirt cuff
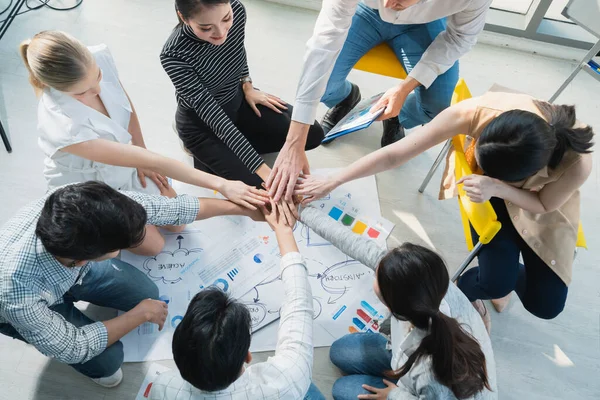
[[190, 206], [98, 335], [423, 74], [305, 113], [293, 258]]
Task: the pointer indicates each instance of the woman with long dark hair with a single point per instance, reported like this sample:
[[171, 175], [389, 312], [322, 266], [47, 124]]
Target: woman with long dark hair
[[439, 347], [531, 158], [221, 118]]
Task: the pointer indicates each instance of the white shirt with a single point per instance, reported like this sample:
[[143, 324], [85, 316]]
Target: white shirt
[[286, 375], [420, 382], [64, 121], [465, 20]]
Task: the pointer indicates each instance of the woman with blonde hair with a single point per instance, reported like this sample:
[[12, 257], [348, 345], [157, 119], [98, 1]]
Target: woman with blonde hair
[[87, 121]]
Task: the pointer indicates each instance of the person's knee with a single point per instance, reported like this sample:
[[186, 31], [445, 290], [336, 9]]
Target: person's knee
[[341, 354], [548, 310], [315, 136], [344, 389]]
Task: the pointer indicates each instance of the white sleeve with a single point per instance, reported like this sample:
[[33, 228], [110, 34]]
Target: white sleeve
[[459, 38], [323, 48]]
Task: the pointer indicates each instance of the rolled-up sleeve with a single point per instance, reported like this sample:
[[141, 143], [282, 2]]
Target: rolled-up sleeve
[[162, 210], [322, 51], [54, 336], [458, 39]]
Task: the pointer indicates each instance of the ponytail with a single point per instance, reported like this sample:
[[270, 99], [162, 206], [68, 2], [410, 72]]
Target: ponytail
[[562, 119], [413, 281], [55, 59], [37, 85]]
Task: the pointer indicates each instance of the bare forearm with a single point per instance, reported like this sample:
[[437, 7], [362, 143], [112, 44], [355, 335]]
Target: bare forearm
[[297, 134], [123, 324], [263, 171], [525, 199], [215, 207], [286, 240]]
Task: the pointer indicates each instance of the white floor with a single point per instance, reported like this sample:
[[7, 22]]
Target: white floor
[[536, 359]]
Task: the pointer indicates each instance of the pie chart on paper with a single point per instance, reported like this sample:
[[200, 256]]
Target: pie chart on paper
[[259, 258]]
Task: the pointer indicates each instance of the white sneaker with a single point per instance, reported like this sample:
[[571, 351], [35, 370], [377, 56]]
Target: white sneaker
[[110, 381]]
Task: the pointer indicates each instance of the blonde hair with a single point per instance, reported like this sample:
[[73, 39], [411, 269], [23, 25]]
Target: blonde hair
[[55, 59]]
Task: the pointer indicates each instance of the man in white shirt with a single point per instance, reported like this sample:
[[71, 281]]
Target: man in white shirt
[[211, 344], [428, 36]]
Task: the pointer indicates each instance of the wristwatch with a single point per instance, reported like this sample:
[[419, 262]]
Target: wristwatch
[[246, 79]]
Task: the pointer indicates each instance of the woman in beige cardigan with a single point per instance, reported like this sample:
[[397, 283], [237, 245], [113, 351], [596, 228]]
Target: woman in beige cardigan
[[533, 159]]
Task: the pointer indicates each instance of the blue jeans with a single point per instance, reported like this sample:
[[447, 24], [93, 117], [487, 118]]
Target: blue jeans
[[314, 393], [409, 42], [499, 272], [111, 283], [363, 358]]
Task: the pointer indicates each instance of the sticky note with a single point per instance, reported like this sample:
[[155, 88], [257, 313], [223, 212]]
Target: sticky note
[[335, 213], [347, 220], [373, 233], [359, 227]]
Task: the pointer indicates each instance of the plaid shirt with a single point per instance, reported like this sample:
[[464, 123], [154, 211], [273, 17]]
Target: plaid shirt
[[286, 375], [32, 280]]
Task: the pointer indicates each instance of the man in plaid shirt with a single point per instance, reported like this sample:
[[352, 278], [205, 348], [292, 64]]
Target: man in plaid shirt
[[62, 248]]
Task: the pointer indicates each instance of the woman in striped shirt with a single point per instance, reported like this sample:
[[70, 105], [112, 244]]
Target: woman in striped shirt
[[222, 119]]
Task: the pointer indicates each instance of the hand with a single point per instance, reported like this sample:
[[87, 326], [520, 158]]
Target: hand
[[154, 311], [244, 195], [378, 394], [314, 187], [255, 97], [479, 188], [287, 211], [273, 216], [154, 176], [290, 163], [392, 102]]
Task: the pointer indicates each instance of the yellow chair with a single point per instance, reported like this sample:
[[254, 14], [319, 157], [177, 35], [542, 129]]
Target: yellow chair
[[382, 60]]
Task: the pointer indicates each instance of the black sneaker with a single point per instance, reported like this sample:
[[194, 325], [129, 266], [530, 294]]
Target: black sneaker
[[392, 131], [335, 114]]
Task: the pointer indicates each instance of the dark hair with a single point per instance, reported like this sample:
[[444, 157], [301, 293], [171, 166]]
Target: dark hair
[[413, 281], [211, 343], [517, 144], [88, 220], [189, 8]]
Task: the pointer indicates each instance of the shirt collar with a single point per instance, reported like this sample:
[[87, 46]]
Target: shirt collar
[[187, 31], [53, 271], [242, 381]]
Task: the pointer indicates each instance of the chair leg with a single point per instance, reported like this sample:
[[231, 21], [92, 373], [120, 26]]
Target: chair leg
[[467, 261], [5, 138], [435, 165]]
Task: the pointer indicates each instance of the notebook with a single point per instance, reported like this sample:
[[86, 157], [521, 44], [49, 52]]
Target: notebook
[[359, 118]]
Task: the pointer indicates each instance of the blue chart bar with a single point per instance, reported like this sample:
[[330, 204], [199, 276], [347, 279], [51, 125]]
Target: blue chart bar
[[359, 324], [368, 307], [231, 274]]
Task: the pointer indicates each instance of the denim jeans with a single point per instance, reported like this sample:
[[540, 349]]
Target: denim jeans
[[363, 358], [111, 283], [314, 393], [409, 42], [499, 272]]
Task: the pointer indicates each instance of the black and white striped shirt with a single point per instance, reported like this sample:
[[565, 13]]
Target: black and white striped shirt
[[208, 76]]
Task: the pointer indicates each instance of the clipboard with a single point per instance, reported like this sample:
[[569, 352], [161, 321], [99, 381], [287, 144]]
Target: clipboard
[[358, 118]]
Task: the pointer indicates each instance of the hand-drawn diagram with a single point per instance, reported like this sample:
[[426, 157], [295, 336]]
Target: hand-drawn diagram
[[169, 266]]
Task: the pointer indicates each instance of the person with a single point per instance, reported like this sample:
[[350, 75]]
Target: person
[[222, 119], [211, 344], [62, 248], [533, 157], [428, 38], [86, 121], [440, 348]]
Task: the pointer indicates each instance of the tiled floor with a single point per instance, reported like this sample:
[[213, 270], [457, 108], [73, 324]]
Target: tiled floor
[[536, 359]]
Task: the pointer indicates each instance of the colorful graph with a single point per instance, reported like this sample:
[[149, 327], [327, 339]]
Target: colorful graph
[[366, 319], [358, 226], [231, 274], [259, 258]]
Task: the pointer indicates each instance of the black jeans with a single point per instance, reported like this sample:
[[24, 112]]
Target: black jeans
[[499, 272], [267, 134]]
